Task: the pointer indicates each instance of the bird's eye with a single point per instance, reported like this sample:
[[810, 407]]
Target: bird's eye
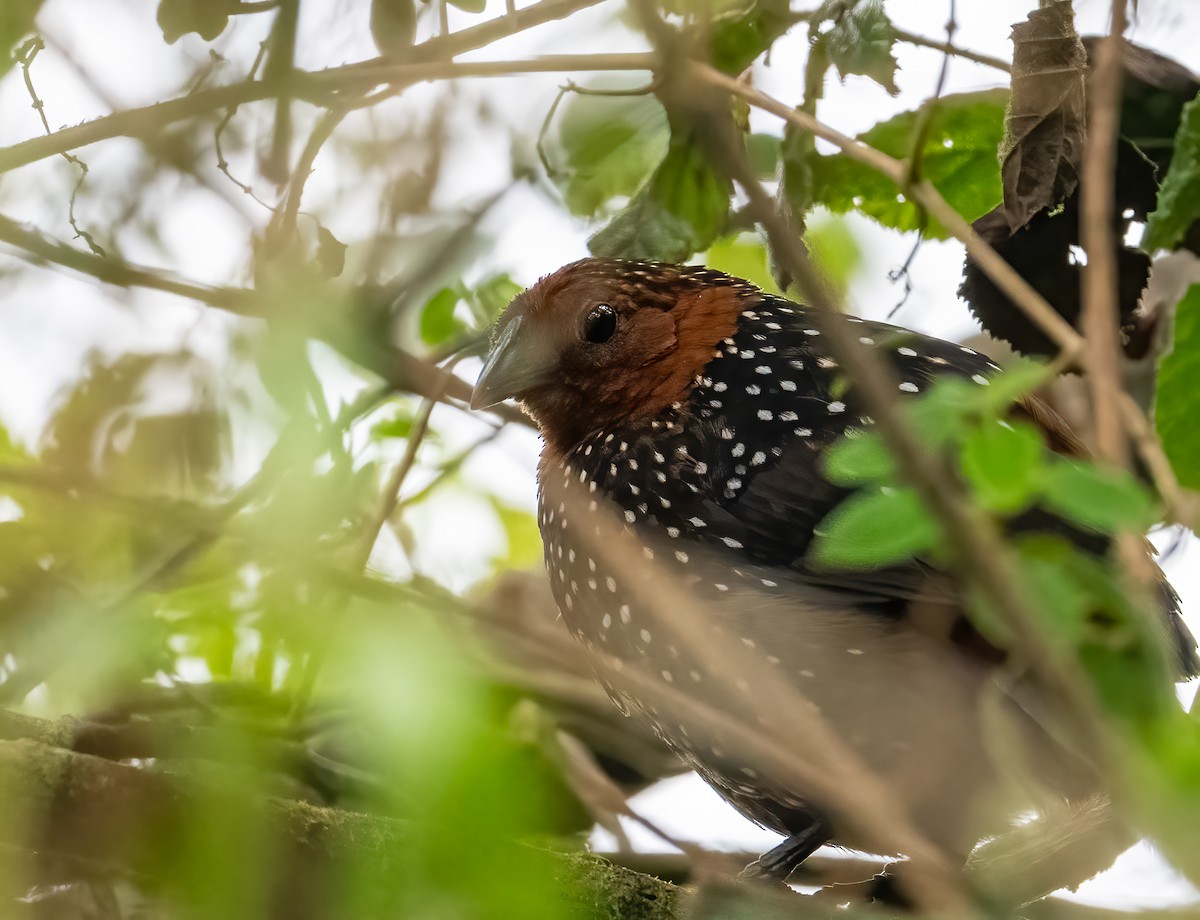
[[600, 324]]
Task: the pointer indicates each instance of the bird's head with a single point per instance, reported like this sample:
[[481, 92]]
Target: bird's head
[[603, 342]]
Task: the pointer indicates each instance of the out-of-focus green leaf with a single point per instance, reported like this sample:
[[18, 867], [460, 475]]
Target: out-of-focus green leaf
[[1049, 572], [959, 158], [860, 39], [1177, 401], [489, 298], [763, 152], [393, 25], [859, 458], [521, 531], [742, 256], [470, 6], [609, 145], [331, 253], [834, 250], [208, 18], [1001, 461], [1179, 195], [1018, 379], [943, 415], [438, 323], [874, 528], [680, 211], [1101, 499], [16, 21], [737, 40]]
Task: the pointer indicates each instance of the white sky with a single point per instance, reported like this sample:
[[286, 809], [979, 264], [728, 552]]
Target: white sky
[[51, 320]]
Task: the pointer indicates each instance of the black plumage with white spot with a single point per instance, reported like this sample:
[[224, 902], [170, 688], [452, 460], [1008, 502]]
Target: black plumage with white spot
[[718, 476]]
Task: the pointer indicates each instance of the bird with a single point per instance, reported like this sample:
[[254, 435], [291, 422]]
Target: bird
[[690, 413]]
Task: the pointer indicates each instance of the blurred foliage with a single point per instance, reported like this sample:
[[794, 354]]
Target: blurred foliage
[[1176, 397], [16, 21]]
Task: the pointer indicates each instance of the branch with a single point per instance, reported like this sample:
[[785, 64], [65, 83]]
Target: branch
[[401, 369], [94, 811], [151, 119], [1101, 320], [948, 47]]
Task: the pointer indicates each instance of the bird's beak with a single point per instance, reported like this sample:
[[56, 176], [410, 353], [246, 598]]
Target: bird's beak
[[512, 366]]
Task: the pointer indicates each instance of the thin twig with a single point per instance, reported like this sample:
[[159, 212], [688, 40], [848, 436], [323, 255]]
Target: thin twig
[[152, 119], [25, 57], [948, 47], [219, 131], [402, 370]]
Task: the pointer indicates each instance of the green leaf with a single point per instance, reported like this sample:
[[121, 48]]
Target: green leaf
[[739, 39], [1054, 572], [874, 528], [859, 458], [763, 152], [958, 157], [834, 250], [438, 323], [860, 41], [470, 6], [743, 256], [680, 211], [1101, 499], [609, 145], [16, 21], [1177, 401], [1179, 195], [205, 17], [1020, 378], [1001, 462], [491, 296], [521, 530]]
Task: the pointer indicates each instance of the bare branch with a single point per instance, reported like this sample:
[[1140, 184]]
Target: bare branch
[[313, 87], [1101, 321]]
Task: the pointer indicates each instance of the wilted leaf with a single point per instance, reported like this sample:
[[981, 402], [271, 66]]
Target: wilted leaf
[[1047, 116], [1177, 401], [1042, 246], [874, 528], [959, 158], [860, 41], [1179, 197], [678, 212]]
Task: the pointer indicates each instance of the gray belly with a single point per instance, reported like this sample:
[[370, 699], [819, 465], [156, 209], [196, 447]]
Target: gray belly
[[911, 708]]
